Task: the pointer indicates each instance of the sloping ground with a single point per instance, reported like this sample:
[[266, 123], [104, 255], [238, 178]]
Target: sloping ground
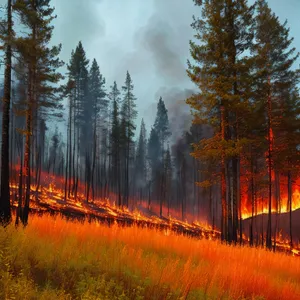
[[49, 200], [283, 225], [55, 259]]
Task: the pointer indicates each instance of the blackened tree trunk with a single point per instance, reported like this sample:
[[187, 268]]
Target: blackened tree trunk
[[27, 156], [5, 212], [224, 231], [20, 192], [290, 205], [270, 139]]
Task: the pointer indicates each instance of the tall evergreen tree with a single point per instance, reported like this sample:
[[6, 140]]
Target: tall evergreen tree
[[80, 114], [41, 63], [168, 175], [221, 69], [115, 140], [5, 213], [129, 114], [140, 162], [276, 84], [97, 108], [161, 124], [153, 155]]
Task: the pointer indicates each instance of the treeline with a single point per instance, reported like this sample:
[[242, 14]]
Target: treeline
[[100, 153], [243, 63]]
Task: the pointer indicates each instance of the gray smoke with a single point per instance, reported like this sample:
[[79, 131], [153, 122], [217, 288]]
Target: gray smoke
[[76, 21], [165, 41], [180, 117]]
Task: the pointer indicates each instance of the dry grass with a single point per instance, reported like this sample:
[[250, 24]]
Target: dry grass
[[56, 259]]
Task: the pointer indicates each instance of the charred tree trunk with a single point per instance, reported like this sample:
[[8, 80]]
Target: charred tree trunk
[[224, 231], [290, 203], [5, 212], [252, 202], [66, 170], [270, 140], [277, 198], [20, 194], [27, 155], [94, 164], [228, 180]]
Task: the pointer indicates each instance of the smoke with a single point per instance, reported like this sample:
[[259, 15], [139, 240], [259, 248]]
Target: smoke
[[180, 118], [165, 41], [157, 40], [76, 21]]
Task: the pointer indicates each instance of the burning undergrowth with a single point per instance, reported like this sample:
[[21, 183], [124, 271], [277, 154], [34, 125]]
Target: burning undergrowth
[[49, 197]]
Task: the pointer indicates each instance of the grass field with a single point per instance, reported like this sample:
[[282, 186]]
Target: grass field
[[56, 259]]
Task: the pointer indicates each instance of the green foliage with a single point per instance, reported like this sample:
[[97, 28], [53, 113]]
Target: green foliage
[[37, 56]]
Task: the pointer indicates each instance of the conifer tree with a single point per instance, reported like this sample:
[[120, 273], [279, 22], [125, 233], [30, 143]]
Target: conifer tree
[[161, 125], [80, 113], [220, 69], [275, 89], [5, 212], [140, 162], [42, 63], [97, 108], [128, 116], [168, 171], [115, 140], [153, 155]]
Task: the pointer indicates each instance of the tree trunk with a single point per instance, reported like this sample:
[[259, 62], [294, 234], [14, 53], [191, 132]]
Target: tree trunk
[[223, 183], [5, 212], [27, 155], [290, 202], [270, 139], [20, 194]]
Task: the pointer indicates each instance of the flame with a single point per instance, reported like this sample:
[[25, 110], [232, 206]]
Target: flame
[[51, 194], [262, 202]]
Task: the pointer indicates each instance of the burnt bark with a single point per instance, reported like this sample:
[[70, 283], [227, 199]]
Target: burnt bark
[[5, 211]]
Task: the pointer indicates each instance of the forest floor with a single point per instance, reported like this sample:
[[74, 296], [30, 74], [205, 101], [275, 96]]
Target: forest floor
[[53, 258]]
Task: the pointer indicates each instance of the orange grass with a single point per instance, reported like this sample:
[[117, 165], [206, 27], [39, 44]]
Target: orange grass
[[69, 259]]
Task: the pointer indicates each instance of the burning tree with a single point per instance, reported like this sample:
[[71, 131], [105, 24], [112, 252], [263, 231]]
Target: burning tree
[[41, 64], [248, 94]]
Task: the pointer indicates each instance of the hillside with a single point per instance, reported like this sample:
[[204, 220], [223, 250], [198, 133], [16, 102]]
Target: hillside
[[59, 259], [283, 223]]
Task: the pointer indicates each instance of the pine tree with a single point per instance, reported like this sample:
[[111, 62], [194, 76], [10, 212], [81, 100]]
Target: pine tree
[[80, 113], [161, 127], [98, 110], [115, 136], [161, 124], [221, 69], [168, 171], [5, 212], [140, 162], [276, 85], [42, 63], [128, 116], [153, 155]]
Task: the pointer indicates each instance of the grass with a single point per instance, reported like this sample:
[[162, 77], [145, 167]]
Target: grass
[[56, 259]]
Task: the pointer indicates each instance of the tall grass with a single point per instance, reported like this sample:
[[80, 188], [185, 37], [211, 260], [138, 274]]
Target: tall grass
[[56, 259]]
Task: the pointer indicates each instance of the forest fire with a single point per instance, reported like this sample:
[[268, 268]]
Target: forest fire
[[49, 196], [261, 203]]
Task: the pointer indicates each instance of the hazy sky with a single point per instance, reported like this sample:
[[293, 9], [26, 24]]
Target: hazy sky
[[150, 38]]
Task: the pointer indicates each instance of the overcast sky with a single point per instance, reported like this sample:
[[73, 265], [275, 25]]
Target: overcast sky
[[150, 38]]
